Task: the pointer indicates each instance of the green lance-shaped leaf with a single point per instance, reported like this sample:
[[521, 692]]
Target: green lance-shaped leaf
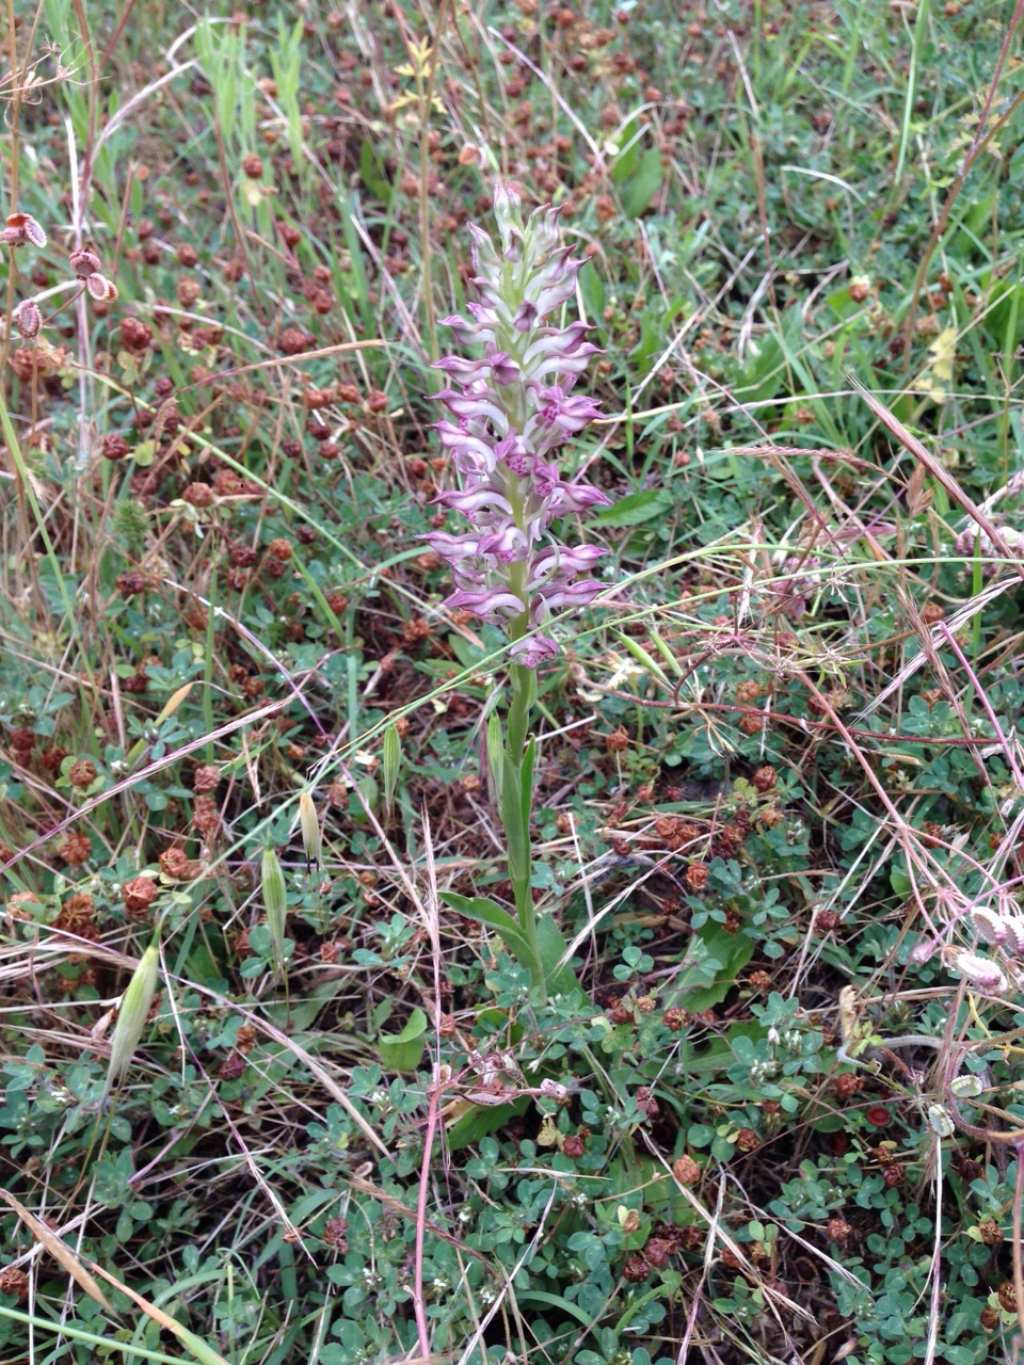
[[275, 902], [495, 753], [404, 1051], [392, 764], [131, 1017]]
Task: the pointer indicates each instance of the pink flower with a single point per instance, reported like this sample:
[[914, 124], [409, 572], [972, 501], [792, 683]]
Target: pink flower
[[512, 405]]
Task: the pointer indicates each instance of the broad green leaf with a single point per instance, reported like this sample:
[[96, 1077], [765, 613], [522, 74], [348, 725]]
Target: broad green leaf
[[403, 1051], [551, 947], [486, 912], [480, 1119], [644, 185], [512, 818], [714, 959]]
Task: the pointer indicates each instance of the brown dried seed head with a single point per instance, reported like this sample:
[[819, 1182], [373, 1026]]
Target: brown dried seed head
[[335, 1230], [232, 1066], [14, 1282], [764, 779], [82, 773], [135, 335], [839, 1230], [27, 318], [206, 778], [75, 848], [176, 864], [114, 446], [292, 340], [138, 894], [697, 876], [199, 495], [686, 1170], [188, 289], [658, 1252]]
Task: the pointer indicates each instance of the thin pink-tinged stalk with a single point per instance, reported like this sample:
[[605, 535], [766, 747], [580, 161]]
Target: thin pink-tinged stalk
[[418, 1300], [1018, 1266]]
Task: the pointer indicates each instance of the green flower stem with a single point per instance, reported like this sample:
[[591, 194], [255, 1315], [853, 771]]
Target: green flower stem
[[516, 813]]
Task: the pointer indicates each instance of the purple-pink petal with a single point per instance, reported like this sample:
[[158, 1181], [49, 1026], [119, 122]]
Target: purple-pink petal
[[487, 603]]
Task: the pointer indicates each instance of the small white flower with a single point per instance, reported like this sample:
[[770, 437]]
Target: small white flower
[[939, 1121], [967, 1087]]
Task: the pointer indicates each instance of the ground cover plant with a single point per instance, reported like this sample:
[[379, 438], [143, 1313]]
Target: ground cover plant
[[511, 799]]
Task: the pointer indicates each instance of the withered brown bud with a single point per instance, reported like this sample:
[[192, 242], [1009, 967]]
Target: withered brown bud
[[292, 341], [686, 1170], [82, 773], [135, 335], [199, 495], [697, 876], [764, 779], [138, 894], [27, 318], [206, 778], [114, 446]]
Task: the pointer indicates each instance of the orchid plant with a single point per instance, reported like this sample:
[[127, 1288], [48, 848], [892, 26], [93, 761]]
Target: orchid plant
[[512, 407]]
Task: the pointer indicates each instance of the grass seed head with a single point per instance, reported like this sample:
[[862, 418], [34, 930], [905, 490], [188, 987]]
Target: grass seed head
[[275, 901], [131, 1018]]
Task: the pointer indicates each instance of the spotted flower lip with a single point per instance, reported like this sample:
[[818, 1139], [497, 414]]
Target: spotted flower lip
[[535, 649], [509, 408]]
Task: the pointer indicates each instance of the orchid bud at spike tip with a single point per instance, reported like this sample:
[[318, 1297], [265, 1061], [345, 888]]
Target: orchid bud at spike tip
[[511, 408]]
